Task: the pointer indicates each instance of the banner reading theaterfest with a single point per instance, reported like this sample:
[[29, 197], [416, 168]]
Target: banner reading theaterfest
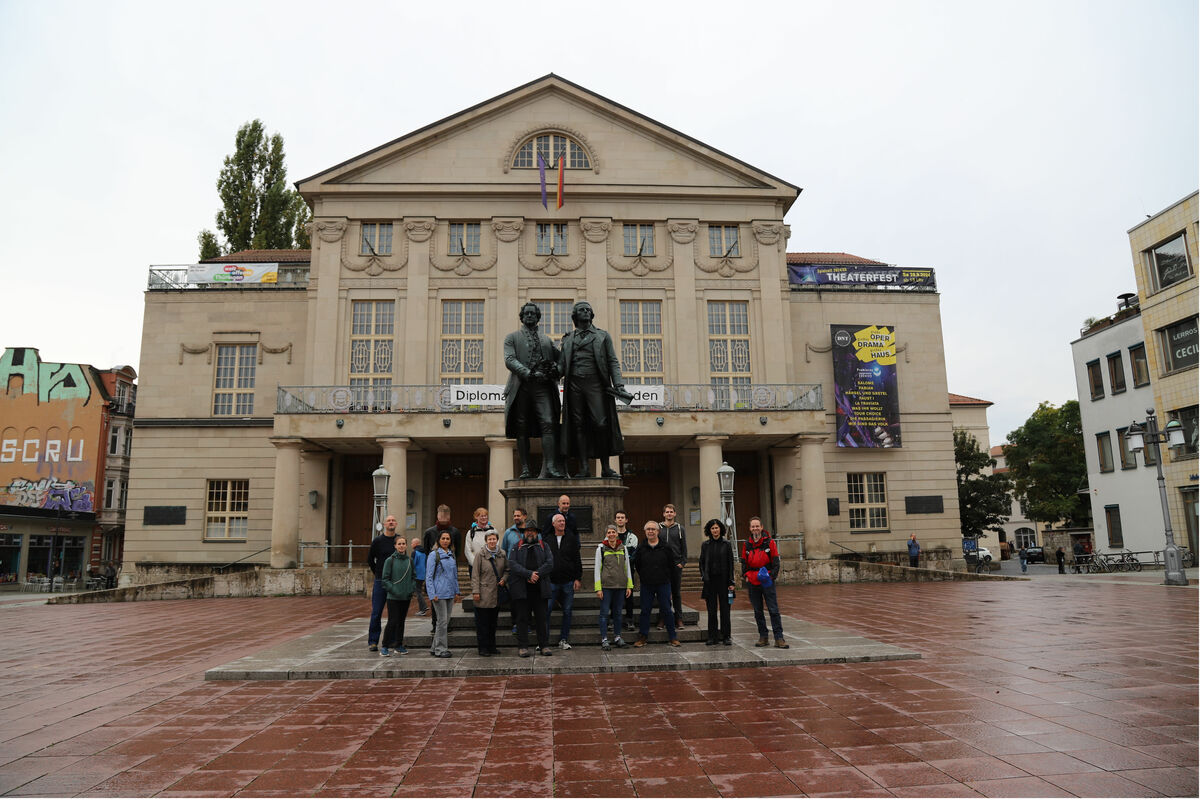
[[864, 386]]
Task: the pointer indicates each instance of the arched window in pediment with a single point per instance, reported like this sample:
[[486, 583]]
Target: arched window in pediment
[[551, 146]]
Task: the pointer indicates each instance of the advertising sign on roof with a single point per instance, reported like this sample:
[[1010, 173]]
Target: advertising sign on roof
[[233, 273], [862, 276]]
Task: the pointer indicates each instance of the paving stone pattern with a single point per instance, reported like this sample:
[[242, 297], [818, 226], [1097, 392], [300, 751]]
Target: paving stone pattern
[[1023, 689]]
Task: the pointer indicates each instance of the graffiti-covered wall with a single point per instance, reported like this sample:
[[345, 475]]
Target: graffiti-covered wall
[[51, 429]]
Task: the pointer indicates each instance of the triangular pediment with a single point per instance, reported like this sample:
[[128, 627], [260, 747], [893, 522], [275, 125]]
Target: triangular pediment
[[474, 149]]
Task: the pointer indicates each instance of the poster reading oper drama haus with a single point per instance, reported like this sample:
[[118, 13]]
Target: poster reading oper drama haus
[[864, 386]]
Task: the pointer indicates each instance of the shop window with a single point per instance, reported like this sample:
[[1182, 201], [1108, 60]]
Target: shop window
[[1104, 450], [10, 557], [1168, 262], [462, 342], [233, 382], [1180, 345], [1095, 379], [227, 511], [1112, 519], [866, 501], [641, 341], [1116, 373]]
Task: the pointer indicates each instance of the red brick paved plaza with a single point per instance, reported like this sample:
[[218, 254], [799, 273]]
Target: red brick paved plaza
[[1025, 689]]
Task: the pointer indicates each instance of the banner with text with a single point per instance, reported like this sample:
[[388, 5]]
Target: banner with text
[[476, 394], [233, 273], [864, 386], [862, 277]]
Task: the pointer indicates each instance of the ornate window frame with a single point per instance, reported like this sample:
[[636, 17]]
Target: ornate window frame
[[551, 130]]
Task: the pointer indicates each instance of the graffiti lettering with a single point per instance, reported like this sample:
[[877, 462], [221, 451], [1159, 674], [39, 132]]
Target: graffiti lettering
[[51, 494], [50, 381], [28, 449]]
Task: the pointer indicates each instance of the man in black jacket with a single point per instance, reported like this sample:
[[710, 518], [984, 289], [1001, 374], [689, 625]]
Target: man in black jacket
[[382, 546], [675, 538], [529, 564], [655, 562], [564, 508], [566, 577]]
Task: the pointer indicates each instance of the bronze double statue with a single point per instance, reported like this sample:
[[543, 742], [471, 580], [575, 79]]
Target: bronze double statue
[[587, 363]]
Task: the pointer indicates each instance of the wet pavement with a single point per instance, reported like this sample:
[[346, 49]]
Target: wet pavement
[[1056, 686]]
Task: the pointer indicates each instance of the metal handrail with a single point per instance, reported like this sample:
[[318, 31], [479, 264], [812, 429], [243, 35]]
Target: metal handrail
[[243, 558], [410, 399], [161, 278], [326, 546]]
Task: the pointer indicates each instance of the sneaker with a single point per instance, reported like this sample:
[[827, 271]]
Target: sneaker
[[402, 650], [421, 613], [604, 645], [728, 642], [662, 626], [563, 644], [374, 648], [383, 651], [620, 643], [443, 655]]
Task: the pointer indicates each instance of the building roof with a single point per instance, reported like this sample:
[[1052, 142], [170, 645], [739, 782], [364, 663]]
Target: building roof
[[263, 256], [963, 400], [832, 259]]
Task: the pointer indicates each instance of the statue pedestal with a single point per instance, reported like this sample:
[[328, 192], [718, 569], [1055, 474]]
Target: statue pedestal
[[594, 502]]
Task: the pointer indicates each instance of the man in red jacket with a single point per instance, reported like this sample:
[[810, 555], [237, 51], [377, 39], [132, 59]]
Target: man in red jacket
[[757, 552]]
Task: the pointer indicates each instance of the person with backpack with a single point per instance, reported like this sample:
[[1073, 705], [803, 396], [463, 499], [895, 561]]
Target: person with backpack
[[613, 583], [529, 564], [474, 537], [441, 581], [760, 560], [399, 583], [716, 571], [489, 588], [418, 556]]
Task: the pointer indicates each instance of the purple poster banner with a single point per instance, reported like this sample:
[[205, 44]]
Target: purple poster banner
[[864, 385]]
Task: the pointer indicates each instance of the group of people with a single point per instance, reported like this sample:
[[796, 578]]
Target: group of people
[[532, 569]]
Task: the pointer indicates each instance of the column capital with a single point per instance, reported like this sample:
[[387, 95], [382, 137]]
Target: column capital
[[316, 455], [286, 442], [402, 442], [500, 442], [809, 439], [711, 438]]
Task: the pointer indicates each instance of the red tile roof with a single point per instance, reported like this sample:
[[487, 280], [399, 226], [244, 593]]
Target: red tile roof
[[266, 256], [963, 400], [831, 259]]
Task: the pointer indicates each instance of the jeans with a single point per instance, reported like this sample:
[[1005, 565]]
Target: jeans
[[441, 632], [564, 593], [422, 598], [378, 601], [393, 634], [660, 594], [757, 595], [614, 600], [676, 596]]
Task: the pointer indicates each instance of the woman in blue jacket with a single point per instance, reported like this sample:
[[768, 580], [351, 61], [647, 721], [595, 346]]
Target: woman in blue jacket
[[441, 584]]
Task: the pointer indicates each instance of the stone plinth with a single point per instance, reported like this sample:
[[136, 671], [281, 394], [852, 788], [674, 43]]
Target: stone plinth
[[594, 501]]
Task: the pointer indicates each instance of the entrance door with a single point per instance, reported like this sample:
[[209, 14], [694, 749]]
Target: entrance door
[[358, 500], [649, 480], [746, 502]]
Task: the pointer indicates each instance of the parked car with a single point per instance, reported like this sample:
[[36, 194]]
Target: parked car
[[1035, 555], [985, 555]]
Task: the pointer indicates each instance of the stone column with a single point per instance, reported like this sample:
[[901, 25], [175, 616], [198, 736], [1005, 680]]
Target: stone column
[[710, 489], [285, 507], [314, 466], [395, 461], [812, 494], [324, 277], [500, 469]]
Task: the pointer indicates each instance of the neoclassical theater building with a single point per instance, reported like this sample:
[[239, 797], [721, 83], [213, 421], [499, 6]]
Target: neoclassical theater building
[[273, 383]]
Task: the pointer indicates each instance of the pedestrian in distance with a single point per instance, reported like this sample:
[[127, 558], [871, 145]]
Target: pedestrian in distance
[[675, 538], [382, 547], [1061, 558], [489, 589], [613, 584], [760, 560], [400, 583], [529, 566], [717, 574], [1023, 557], [914, 550], [441, 581], [474, 537], [417, 551], [655, 561], [566, 577]]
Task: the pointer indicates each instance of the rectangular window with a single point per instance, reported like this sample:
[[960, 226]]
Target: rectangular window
[[227, 511], [233, 383], [866, 500], [1139, 365], [729, 350], [639, 240], [127, 445], [1116, 373], [723, 241], [372, 330], [1104, 451], [1128, 457], [1169, 262], [1112, 518], [123, 496], [464, 238], [110, 492], [556, 317], [1180, 345], [551, 238], [462, 341], [641, 341], [114, 439], [376, 239], [1095, 379], [1187, 418], [1149, 455]]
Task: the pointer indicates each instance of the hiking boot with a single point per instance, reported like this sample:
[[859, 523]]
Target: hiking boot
[[523, 653], [641, 642], [675, 643], [762, 642], [781, 644]]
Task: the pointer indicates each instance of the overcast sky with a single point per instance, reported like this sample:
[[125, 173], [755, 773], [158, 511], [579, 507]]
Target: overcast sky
[[1010, 146]]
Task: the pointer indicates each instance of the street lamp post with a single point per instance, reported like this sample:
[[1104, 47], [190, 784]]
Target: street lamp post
[[1138, 438], [725, 475], [379, 479]]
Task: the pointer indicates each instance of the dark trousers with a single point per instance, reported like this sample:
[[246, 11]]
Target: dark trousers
[[485, 628], [660, 594], [717, 602], [912, 560], [564, 595], [422, 598], [393, 634], [534, 605], [612, 601], [676, 598], [378, 601], [758, 596]]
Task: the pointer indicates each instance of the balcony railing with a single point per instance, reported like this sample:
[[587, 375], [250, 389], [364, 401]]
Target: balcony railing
[[289, 277], [441, 400]]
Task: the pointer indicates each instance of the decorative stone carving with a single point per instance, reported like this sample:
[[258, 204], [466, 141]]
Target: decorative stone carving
[[595, 230], [682, 231], [638, 265], [727, 266], [329, 230], [375, 265], [420, 229], [462, 264], [770, 232], [287, 348], [562, 130], [195, 351], [507, 228]]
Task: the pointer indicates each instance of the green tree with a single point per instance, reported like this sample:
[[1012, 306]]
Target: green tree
[[209, 246], [1046, 461], [258, 209], [983, 500]]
